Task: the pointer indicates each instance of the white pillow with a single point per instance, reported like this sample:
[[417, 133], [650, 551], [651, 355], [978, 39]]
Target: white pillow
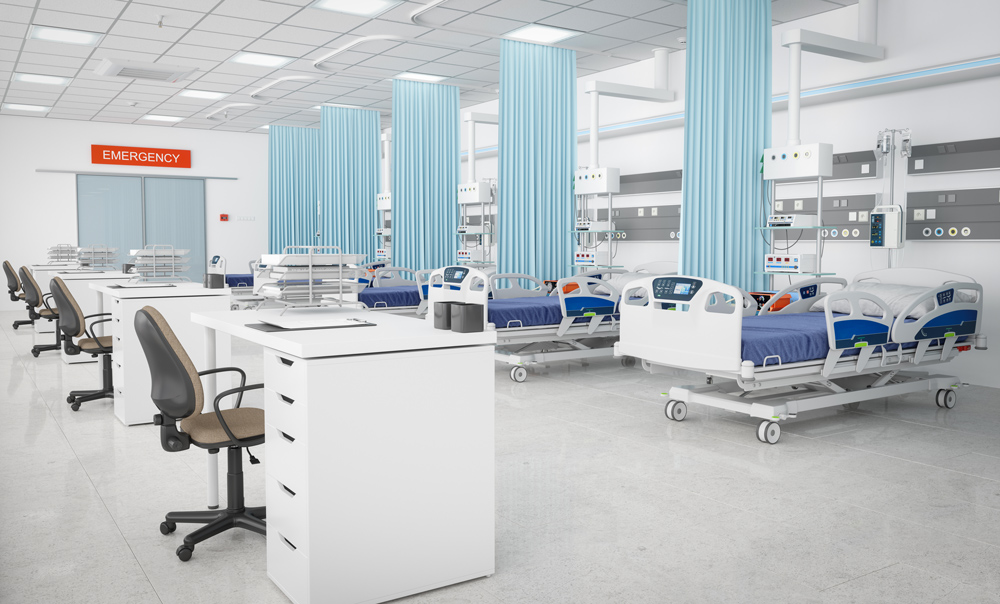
[[898, 297]]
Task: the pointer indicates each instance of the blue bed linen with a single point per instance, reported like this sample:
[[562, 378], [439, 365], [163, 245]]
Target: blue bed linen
[[239, 280], [528, 312], [393, 297]]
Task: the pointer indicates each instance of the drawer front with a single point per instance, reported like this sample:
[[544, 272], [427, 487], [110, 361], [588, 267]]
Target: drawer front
[[285, 459], [287, 566], [288, 513], [117, 328], [286, 413], [285, 375]]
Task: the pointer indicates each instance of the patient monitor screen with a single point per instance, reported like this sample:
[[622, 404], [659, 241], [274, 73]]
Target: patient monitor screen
[[682, 289]]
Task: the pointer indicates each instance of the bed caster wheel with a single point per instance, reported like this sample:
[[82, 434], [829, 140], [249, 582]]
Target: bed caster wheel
[[946, 398], [184, 552], [71, 399], [768, 432], [16, 326], [852, 406], [518, 374], [75, 406], [168, 527], [628, 362], [676, 410], [34, 353]]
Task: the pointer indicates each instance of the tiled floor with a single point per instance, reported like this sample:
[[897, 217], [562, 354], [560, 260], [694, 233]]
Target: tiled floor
[[599, 498]]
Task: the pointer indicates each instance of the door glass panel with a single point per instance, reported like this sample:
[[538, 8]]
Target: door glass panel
[[109, 212], [175, 215]]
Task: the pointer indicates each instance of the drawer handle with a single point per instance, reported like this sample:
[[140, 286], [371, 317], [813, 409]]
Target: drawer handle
[[287, 437], [286, 399], [285, 361], [290, 545], [290, 492]]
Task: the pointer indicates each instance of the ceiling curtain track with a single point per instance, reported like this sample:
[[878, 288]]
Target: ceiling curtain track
[[350, 178], [537, 159], [425, 171], [727, 126], [293, 159]]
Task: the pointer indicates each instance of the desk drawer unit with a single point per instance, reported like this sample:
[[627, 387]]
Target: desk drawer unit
[[287, 566], [285, 374], [288, 512]]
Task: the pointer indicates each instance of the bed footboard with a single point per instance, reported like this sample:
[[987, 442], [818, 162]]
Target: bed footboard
[[586, 297], [957, 311]]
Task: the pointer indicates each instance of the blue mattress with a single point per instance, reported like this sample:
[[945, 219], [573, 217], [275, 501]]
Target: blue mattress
[[239, 280], [527, 312], [392, 297]]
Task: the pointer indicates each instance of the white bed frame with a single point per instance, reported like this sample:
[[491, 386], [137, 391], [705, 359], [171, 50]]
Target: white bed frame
[[397, 276], [705, 334]]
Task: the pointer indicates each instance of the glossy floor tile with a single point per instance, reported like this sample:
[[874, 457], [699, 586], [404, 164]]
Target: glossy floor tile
[[599, 498]]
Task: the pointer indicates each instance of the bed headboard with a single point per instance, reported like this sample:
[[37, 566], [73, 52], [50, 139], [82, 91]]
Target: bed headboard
[[919, 277]]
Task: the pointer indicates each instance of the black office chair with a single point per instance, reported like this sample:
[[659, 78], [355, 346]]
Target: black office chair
[[35, 300], [14, 289], [73, 324], [178, 394]]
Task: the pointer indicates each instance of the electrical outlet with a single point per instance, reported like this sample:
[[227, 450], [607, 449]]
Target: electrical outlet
[[779, 206], [642, 212], [863, 216], [653, 211], [918, 214], [852, 216], [798, 204], [931, 213]]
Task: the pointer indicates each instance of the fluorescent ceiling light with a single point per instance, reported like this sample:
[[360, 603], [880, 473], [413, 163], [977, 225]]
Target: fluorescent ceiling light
[[261, 60], [204, 94], [364, 8], [34, 78], [162, 118], [318, 107], [266, 126], [18, 107], [422, 77], [543, 34], [66, 36]]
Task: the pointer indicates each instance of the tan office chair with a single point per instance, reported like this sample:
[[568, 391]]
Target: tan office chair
[[14, 290], [73, 324], [35, 300], [178, 394]]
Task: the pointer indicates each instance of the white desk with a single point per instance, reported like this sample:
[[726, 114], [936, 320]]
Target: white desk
[[379, 455], [131, 373], [43, 273], [91, 302]]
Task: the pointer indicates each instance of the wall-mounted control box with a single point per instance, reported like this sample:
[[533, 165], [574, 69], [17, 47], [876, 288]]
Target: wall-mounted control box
[[886, 227], [383, 231], [792, 220], [475, 192], [383, 201], [799, 161], [597, 181], [790, 263], [472, 229], [381, 254], [585, 259]]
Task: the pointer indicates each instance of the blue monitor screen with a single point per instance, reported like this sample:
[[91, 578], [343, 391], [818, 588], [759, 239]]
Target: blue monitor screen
[[682, 289]]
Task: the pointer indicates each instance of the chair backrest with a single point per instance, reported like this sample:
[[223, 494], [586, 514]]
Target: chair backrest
[[176, 388], [32, 293], [71, 320], [13, 283]]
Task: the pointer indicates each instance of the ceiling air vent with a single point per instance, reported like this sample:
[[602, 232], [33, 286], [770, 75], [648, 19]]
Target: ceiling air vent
[[159, 72]]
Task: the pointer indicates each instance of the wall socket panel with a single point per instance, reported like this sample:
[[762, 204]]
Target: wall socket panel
[[651, 182], [657, 223], [958, 156], [972, 214], [851, 166], [846, 214]]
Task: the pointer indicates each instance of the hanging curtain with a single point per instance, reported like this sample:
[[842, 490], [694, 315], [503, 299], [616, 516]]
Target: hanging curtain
[[727, 126], [349, 179], [425, 160], [537, 159], [293, 186]]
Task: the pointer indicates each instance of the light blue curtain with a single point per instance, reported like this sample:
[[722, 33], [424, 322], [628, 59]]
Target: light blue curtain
[[175, 215], [727, 126], [349, 178], [537, 159], [425, 171], [293, 186]]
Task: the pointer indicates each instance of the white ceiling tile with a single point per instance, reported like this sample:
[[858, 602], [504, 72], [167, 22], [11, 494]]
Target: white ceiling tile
[[135, 44], [8, 55], [191, 51], [628, 8], [530, 10], [55, 48], [490, 45], [172, 17], [98, 8], [269, 12], [99, 84], [202, 65], [494, 26], [128, 55], [79, 105], [66, 72], [469, 5], [117, 120], [192, 5], [71, 114], [790, 10], [16, 30], [636, 50], [675, 14], [8, 43], [214, 40], [47, 96], [452, 38], [391, 28], [301, 35], [634, 29], [20, 2], [436, 17], [601, 62], [401, 12], [244, 70], [325, 20], [72, 21], [54, 60], [228, 78], [581, 19], [593, 42], [419, 51], [285, 49], [147, 31], [395, 63], [233, 26], [16, 14], [669, 40], [445, 69], [469, 59], [484, 75], [93, 92]]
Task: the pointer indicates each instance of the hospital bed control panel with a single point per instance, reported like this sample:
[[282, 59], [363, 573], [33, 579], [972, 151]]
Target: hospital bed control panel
[[454, 274], [790, 263], [675, 289]]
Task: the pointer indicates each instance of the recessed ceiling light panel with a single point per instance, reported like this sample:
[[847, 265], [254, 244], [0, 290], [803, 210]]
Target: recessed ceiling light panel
[[20, 107], [261, 60], [203, 94], [420, 77], [162, 118], [35, 78], [542, 34], [66, 36], [363, 8]]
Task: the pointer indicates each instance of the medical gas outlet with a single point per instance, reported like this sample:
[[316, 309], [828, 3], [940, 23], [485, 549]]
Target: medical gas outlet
[[799, 161], [597, 181], [383, 201], [475, 192]]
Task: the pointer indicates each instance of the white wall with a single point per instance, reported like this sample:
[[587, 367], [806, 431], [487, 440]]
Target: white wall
[[39, 209], [917, 34]]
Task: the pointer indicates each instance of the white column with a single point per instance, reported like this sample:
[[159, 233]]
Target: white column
[[868, 21], [661, 68], [472, 151], [794, 92], [595, 124]]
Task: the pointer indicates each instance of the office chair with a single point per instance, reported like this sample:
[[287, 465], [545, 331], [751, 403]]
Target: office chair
[[33, 296], [178, 394], [73, 324], [14, 289]]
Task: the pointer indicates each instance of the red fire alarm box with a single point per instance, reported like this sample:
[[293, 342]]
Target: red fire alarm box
[[223, 217]]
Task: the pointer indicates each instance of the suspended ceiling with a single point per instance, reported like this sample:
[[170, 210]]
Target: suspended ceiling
[[458, 40]]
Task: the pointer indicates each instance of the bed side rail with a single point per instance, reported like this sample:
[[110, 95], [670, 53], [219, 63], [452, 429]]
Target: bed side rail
[[586, 297], [684, 322], [951, 318], [809, 291], [514, 288], [394, 276], [423, 277], [855, 330]]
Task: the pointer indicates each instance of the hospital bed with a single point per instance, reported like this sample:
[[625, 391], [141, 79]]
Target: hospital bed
[[577, 320], [397, 290], [866, 343]]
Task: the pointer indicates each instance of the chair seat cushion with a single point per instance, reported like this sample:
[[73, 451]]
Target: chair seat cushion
[[96, 343], [20, 296], [46, 312], [205, 429]]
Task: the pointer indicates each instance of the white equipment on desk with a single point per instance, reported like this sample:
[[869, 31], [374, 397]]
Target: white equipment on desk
[[317, 276], [790, 263], [886, 227], [157, 262]]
